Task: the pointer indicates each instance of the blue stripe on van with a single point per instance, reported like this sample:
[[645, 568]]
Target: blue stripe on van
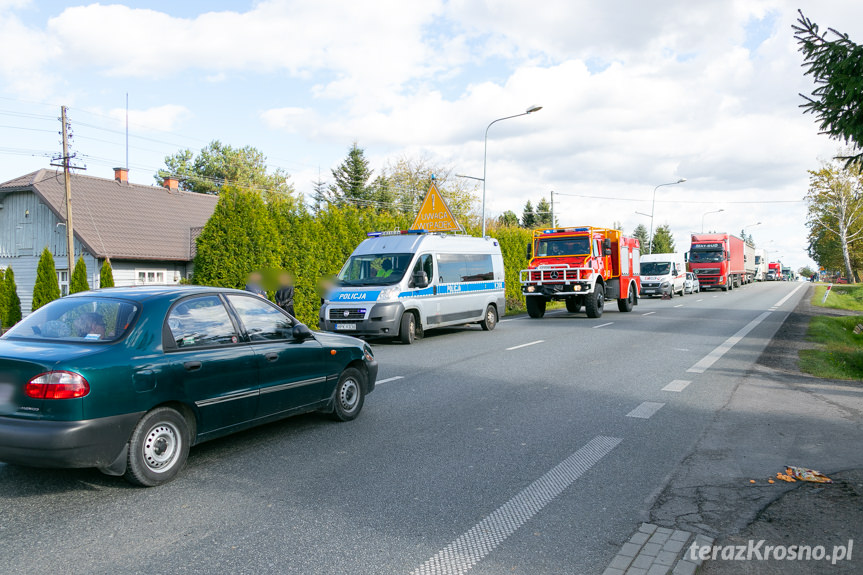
[[469, 287]]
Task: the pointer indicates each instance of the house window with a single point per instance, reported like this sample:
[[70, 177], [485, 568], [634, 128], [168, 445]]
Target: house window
[[150, 276], [63, 280]]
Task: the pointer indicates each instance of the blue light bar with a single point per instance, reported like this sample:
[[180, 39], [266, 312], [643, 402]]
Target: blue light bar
[[396, 233]]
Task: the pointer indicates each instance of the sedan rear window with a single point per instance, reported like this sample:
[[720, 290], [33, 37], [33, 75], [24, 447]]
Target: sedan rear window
[[78, 319]]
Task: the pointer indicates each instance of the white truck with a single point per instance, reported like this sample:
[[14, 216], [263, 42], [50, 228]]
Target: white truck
[[663, 274], [761, 261]]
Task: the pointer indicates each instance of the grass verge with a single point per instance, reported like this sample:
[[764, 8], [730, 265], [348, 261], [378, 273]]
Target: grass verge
[[841, 356], [841, 297]]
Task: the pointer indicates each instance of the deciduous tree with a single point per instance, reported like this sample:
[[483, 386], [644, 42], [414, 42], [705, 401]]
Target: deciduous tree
[[508, 219]]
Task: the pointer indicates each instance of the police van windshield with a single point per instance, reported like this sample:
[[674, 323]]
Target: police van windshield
[[655, 268], [562, 247], [374, 269]]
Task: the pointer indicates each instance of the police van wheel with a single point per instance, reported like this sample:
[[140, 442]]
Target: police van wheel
[[408, 331], [573, 305], [535, 307], [490, 319], [595, 302]]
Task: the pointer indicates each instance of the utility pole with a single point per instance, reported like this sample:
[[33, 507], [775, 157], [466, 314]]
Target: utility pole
[[552, 209], [70, 236]]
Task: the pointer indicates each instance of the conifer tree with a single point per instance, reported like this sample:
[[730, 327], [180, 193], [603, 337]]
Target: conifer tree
[[79, 282], [106, 275], [352, 179], [47, 288], [4, 299], [13, 302]]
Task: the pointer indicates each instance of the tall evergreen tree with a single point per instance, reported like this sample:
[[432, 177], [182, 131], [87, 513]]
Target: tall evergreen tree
[[106, 275], [47, 288], [4, 299], [528, 217], [543, 214], [508, 219], [352, 179], [321, 194], [640, 232], [13, 302], [663, 241], [79, 282]]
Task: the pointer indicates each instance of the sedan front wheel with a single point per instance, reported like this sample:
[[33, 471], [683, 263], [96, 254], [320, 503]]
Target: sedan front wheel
[[349, 396]]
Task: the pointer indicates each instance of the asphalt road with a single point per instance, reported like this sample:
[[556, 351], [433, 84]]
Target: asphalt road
[[532, 449]]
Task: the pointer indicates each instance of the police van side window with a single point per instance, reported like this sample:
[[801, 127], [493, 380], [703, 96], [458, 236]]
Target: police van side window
[[479, 268], [458, 268], [451, 268]]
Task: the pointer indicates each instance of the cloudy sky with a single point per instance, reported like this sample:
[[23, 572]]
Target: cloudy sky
[[634, 94]]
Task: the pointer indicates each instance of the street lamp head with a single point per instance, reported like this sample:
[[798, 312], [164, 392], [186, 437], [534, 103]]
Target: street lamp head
[[721, 210], [681, 180], [533, 109]]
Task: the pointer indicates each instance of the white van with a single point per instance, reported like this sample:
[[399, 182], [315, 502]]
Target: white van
[[663, 274], [398, 284]]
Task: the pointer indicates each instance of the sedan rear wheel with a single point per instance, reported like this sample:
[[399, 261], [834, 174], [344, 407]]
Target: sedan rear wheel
[[349, 396], [158, 448]]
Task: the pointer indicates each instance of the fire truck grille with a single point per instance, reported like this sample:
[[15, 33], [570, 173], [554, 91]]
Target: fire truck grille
[[551, 276], [341, 314]]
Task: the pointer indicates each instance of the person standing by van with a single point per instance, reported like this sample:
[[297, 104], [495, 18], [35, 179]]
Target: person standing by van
[[253, 284]]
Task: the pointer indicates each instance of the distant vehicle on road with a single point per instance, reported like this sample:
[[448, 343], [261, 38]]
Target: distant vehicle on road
[[399, 284], [663, 274], [717, 260], [692, 285], [128, 379], [583, 266], [760, 265], [774, 271]]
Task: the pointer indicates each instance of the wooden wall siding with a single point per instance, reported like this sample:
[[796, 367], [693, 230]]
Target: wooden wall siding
[[22, 235]]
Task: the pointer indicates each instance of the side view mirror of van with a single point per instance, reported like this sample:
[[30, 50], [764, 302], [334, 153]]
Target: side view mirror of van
[[420, 279]]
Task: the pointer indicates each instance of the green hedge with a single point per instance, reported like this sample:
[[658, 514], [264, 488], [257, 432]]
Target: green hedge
[[249, 232]]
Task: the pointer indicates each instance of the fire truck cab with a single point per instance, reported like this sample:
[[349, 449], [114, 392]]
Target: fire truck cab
[[583, 266]]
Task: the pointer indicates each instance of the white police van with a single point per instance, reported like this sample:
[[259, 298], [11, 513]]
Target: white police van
[[398, 284]]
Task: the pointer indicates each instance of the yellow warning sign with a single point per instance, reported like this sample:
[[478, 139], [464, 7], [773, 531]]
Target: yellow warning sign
[[434, 214]]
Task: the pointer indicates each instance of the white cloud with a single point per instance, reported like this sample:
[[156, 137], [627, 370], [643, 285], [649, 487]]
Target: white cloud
[[159, 118]]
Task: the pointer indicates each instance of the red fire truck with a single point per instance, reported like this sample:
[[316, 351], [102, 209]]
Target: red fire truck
[[717, 260], [582, 266]]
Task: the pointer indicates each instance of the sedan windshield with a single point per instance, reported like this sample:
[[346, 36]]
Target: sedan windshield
[[79, 319], [706, 256], [374, 269], [655, 268]]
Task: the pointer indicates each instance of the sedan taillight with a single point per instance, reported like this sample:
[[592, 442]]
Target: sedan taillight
[[57, 385]]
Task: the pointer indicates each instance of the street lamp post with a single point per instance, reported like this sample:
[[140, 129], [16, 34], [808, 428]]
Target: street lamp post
[[653, 208], [530, 110], [705, 213]]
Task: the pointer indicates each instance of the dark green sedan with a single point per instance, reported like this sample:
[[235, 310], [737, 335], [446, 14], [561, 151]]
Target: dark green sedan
[[128, 379]]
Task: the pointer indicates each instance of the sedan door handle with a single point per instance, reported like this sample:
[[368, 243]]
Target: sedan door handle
[[272, 356], [192, 365]]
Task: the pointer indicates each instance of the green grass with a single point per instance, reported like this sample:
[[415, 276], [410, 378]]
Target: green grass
[[841, 356], [841, 297]]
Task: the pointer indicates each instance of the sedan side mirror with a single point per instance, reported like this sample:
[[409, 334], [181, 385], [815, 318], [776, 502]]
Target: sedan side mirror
[[420, 279], [301, 332]]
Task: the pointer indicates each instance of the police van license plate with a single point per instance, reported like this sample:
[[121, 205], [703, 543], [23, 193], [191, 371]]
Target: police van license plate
[[346, 327]]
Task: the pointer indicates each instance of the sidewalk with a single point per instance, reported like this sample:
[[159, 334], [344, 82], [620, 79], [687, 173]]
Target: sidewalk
[[776, 417]]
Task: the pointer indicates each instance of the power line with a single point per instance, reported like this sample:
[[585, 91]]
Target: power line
[[682, 201]]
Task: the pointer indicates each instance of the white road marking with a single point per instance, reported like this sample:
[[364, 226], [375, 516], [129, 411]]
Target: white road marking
[[602, 325], [645, 410], [786, 298], [698, 300], [679, 305], [475, 544], [680, 349], [648, 313], [712, 357], [676, 385], [715, 296], [524, 345], [389, 379]]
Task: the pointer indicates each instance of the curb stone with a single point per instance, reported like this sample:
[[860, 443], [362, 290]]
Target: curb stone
[[654, 550]]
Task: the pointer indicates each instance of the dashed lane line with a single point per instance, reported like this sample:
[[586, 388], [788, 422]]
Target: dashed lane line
[[602, 325], [475, 544], [645, 410], [708, 360], [679, 305], [698, 300], [648, 313], [525, 345], [677, 385], [389, 379]]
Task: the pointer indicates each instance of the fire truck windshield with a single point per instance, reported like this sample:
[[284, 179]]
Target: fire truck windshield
[[546, 247], [704, 256]]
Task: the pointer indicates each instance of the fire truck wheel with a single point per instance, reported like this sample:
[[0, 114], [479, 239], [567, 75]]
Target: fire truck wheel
[[573, 305], [595, 302], [626, 304], [535, 307], [408, 331], [490, 319]]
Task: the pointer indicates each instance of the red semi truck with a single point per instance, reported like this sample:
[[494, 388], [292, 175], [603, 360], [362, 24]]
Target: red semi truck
[[717, 260]]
